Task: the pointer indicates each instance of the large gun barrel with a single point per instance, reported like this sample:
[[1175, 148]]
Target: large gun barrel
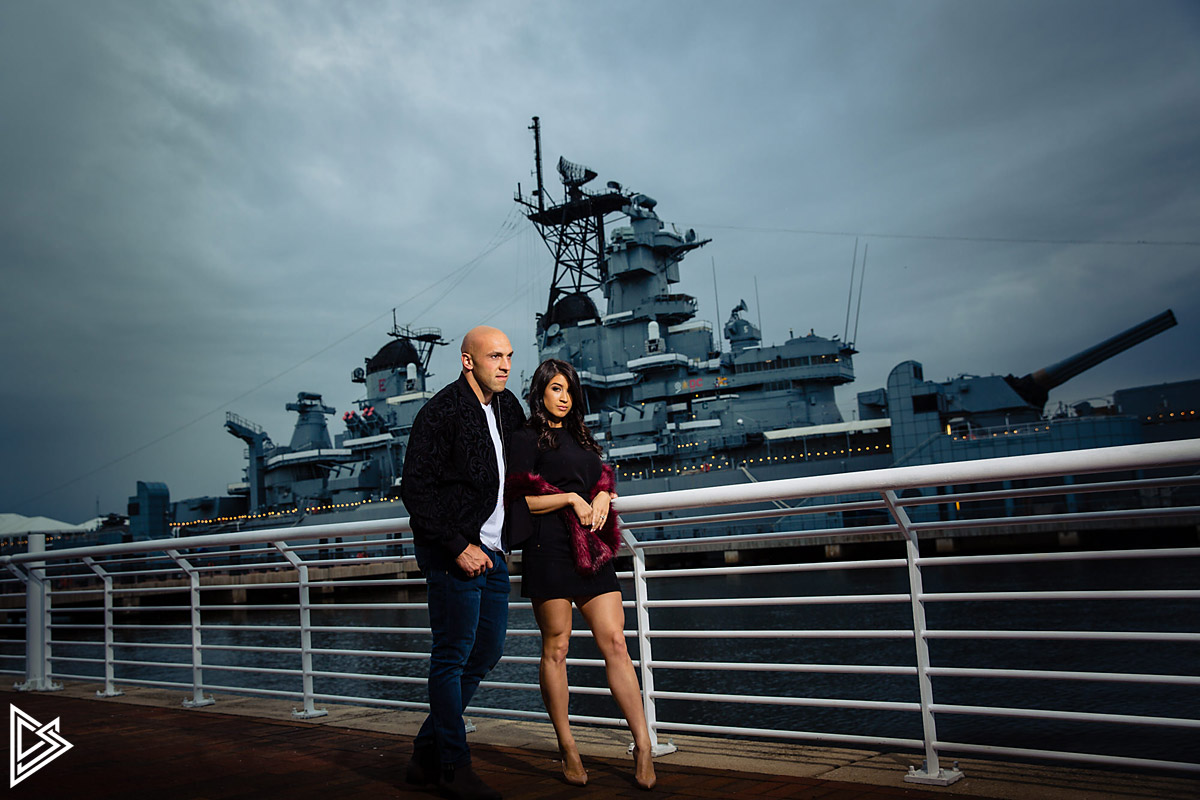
[[1035, 387]]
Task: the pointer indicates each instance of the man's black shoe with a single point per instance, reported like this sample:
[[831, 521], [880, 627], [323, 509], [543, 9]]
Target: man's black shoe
[[461, 783], [423, 769]]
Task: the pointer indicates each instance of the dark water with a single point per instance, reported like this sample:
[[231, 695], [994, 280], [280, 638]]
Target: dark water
[[1172, 744]]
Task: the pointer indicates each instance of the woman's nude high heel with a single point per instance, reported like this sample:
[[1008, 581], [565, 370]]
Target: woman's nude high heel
[[643, 768]]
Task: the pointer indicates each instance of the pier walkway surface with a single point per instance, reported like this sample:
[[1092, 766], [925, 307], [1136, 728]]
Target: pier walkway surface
[[145, 744]]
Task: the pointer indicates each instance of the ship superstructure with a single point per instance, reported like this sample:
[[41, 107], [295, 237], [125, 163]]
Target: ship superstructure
[[661, 391]]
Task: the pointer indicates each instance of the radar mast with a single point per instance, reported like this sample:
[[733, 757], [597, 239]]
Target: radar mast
[[573, 230]]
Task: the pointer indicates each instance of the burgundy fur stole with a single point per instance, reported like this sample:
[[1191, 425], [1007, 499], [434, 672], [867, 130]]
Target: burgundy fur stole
[[592, 549]]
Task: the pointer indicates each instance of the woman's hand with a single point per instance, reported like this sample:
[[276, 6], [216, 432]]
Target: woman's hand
[[582, 509], [600, 510]]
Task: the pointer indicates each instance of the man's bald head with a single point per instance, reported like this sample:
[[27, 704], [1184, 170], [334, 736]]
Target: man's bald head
[[486, 360]]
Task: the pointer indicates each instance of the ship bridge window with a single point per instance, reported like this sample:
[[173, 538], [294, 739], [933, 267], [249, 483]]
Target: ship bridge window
[[925, 403], [782, 363]]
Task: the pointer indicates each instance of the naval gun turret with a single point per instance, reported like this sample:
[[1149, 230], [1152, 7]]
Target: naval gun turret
[[932, 422], [1036, 386]]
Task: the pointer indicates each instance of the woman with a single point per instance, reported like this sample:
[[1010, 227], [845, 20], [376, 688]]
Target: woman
[[558, 488]]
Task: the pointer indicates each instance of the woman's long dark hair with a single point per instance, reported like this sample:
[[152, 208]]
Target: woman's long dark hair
[[539, 417]]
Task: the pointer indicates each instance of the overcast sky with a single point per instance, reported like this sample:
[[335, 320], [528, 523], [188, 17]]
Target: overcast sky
[[210, 206]]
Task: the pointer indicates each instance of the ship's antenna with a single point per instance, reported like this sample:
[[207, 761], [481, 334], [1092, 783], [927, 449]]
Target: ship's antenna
[[861, 274], [850, 296], [759, 304], [536, 127], [717, 295]]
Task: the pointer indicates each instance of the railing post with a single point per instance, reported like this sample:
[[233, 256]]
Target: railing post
[[644, 656], [932, 772], [37, 622], [198, 698], [306, 670], [109, 654]]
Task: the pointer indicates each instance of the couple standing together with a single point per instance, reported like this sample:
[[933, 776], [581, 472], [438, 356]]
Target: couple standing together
[[466, 443]]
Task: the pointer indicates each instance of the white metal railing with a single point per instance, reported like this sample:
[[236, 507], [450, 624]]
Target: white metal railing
[[171, 613]]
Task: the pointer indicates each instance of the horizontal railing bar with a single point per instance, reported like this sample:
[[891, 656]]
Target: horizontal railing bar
[[243, 648], [255, 669], [1041, 491], [1085, 555], [523, 687], [570, 662], [258, 536], [140, 573], [152, 645], [756, 569], [1062, 675], [1115, 594], [365, 629], [737, 538], [132, 663], [1085, 758], [216, 687], [1058, 519], [347, 543], [351, 560], [131, 627], [811, 702], [73, 677], [370, 583], [365, 676], [371, 701], [208, 587], [729, 602], [1133, 636], [82, 659], [750, 666], [778, 634], [370, 653], [1157, 455], [765, 513], [213, 568], [250, 607], [119, 589], [1069, 716], [364, 606], [147, 608], [221, 627], [724, 731]]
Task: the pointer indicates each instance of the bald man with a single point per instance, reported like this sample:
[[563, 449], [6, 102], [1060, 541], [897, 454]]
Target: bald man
[[452, 487]]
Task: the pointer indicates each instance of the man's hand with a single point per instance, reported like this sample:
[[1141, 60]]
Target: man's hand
[[473, 561]]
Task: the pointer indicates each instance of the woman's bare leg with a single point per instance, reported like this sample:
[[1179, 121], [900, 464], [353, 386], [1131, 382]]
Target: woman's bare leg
[[607, 620], [554, 621]]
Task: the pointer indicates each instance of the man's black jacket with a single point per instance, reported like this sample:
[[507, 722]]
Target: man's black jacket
[[450, 481]]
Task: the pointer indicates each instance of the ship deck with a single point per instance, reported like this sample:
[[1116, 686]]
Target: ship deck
[[144, 743]]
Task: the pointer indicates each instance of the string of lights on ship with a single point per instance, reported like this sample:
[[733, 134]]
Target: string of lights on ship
[[649, 473], [644, 473]]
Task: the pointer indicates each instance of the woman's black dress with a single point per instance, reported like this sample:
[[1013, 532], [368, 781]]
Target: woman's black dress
[[547, 565]]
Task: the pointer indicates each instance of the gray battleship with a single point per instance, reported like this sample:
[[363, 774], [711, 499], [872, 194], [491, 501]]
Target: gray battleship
[[674, 404]]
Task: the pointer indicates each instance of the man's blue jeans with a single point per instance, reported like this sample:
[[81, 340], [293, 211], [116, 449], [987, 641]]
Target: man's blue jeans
[[468, 618]]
